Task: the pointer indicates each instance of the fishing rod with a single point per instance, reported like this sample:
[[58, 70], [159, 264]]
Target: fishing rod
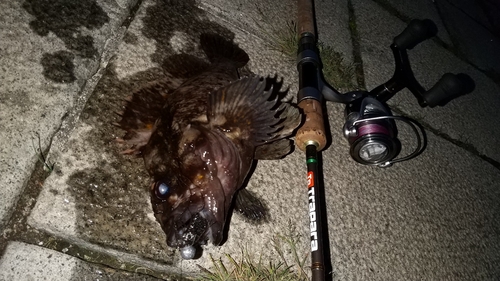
[[370, 128], [311, 136]]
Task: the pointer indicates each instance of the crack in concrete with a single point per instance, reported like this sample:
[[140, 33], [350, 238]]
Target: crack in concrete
[[356, 49], [17, 228], [466, 146]]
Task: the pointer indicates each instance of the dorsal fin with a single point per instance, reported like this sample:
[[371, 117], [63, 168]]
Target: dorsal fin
[[245, 110]]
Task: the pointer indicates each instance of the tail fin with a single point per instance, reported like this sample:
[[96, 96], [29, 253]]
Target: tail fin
[[218, 48]]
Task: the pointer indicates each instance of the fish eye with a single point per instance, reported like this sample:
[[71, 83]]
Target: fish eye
[[162, 190]]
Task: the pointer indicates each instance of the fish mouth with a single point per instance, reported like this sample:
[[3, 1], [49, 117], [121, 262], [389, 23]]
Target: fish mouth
[[196, 217], [192, 232], [194, 208]]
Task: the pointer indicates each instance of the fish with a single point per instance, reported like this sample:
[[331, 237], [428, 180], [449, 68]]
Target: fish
[[199, 130]]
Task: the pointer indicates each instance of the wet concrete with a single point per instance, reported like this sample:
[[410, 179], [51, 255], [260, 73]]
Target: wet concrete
[[434, 218]]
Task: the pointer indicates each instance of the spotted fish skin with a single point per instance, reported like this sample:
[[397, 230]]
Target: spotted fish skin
[[199, 131]]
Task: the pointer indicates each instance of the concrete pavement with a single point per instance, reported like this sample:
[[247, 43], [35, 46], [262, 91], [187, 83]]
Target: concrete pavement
[[65, 68]]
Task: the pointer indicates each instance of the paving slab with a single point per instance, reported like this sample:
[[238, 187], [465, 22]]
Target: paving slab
[[418, 10], [266, 21], [470, 119], [47, 57], [476, 12], [98, 196], [29, 262], [472, 38], [434, 218]]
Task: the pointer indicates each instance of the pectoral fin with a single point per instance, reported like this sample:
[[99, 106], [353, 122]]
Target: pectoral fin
[[142, 110]]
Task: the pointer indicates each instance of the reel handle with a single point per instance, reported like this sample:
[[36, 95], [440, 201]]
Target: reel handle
[[416, 32], [449, 87], [313, 129]]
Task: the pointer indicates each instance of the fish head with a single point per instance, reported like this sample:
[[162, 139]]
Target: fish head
[[200, 153], [194, 183]]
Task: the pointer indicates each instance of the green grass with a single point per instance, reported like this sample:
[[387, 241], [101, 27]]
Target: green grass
[[251, 268], [284, 39], [336, 71]]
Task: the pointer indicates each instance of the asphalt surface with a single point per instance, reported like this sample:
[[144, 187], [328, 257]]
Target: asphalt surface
[[73, 208]]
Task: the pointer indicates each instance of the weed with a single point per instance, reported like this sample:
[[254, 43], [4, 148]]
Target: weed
[[250, 268], [335, 70], [285, 39], [47, 166]]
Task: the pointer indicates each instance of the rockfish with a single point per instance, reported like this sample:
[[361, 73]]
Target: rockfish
[[199, 130]]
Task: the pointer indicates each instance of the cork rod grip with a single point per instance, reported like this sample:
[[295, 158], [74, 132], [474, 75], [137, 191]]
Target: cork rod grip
[[305, 21], [313, 129]]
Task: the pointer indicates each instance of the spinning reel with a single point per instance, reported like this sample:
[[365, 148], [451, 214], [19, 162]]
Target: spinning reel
[[370, 128]]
